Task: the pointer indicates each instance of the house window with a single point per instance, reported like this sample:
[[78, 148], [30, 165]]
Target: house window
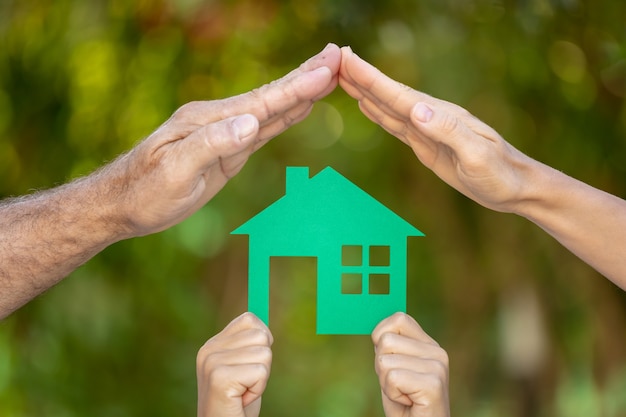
[[379, 255], [365, 269], [352, 255], [351, 284], [379, 284]]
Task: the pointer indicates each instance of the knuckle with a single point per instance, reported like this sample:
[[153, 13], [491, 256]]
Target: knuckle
[[205, 363], [383, 364], [441, 371], [217, 375], [392, 378], [443, 358], [435, 387], [257, 337], [248, 319], [397, 322], [201, 358], [386, 340], [265, 355], [257, 93], [449, 123], [184, 112], [400, 318], [261, 370]]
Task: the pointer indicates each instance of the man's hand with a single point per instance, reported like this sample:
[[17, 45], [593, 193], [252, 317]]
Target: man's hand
[[159, 183], [412, 369], [233, 368], [187, 160]]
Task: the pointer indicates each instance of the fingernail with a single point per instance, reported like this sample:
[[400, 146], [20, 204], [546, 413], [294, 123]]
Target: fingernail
[[328, 45], [244, 125], [321, 69], [423, 113]]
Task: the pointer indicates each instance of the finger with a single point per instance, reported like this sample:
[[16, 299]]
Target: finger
[[390, 343], [468, 138], [279, 96], [245, 330], [246, 354], [247, 381], [448, 123], [402, 324], [413, 388], [427, 362], [280, 123], [313, 80], [216, 142], [253, 409], [329, 57], [423, 146], [204, 146], [367, 81], [388, 121], [247, 321], [345, 79]]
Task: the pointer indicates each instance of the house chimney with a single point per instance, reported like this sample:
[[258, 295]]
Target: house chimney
[[296, 179]]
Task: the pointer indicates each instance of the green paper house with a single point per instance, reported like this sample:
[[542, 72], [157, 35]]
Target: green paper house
[[360, 246]]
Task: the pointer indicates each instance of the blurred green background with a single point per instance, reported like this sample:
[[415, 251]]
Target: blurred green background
[[530, 329]]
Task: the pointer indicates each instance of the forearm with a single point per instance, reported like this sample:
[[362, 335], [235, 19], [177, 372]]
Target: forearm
[[589, 222], [45, 236]]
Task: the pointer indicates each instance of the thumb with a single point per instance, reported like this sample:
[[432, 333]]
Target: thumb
[[438, 124], [468, 140], [221, 140]]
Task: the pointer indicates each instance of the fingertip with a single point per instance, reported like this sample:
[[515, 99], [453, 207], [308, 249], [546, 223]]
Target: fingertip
[[330, 57], [249, 318], [323, 70], [379, 329], [254, 320], [330, 46]]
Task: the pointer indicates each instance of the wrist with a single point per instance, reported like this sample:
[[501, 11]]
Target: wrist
[[90, 208], [536, 187], [547, 197]]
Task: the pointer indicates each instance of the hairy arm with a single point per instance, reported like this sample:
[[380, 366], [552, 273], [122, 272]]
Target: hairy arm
[[159, 183], [47, 235]]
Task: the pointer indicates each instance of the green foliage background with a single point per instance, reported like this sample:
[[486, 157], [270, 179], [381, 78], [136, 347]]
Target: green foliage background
[[530, 329]]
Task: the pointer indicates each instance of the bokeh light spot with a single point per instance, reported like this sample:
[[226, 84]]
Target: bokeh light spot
[[567, 61], [396, 36]]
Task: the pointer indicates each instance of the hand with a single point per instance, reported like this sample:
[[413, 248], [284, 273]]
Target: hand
[[187, 160], [474, 159], [412, 369], [233, 368], [463, 151]]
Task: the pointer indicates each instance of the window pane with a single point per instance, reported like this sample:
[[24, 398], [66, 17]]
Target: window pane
[[379, 256], [352, 255], [351, 284], [379, 284]]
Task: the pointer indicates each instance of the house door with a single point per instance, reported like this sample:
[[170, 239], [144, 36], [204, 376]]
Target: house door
[[293, 295]]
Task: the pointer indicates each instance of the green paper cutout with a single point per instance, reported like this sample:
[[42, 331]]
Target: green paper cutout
[[356, 240]]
